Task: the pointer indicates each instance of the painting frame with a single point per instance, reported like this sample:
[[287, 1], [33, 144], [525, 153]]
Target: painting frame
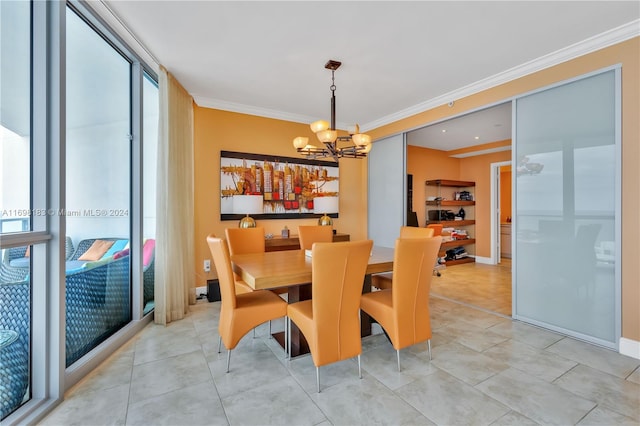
[[288, 185]]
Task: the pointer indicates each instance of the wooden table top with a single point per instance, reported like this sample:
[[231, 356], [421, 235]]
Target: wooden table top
[[276, 269]]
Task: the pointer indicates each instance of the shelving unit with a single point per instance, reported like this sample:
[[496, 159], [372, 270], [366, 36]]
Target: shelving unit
[[444, 191]]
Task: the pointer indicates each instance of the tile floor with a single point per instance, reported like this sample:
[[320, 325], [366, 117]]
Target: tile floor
[[486, 370]]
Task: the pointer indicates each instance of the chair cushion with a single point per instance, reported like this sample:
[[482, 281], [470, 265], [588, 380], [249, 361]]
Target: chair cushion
[[97, 250], [72, 266], [147, 252], [22, 262], [117, 246]]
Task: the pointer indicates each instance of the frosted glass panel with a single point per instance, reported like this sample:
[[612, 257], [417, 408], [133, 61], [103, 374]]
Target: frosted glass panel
[[565, 223], [386, 190]]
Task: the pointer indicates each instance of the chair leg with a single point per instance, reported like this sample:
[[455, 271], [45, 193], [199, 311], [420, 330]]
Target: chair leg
[[254, 332], [286, 339], [359, 368], [288, 345], [219, 343], [318, 378], [398, 352], [429, 343], [270, 336], [228, 359]]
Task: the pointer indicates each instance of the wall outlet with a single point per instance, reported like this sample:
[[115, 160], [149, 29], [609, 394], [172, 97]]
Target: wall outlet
[[207, 265]]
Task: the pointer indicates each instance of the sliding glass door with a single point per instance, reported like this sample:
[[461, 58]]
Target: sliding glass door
[[567, 203], [98, 189], [387, 201]]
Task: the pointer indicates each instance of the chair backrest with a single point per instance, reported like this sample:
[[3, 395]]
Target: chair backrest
[[413, 262], [314, 234], [245, 240], [413, 232], [437, 228], [222, 262], [338, 271]]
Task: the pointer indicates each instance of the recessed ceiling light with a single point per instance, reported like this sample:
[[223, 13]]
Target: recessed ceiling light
[[444, 130], [477, 137]]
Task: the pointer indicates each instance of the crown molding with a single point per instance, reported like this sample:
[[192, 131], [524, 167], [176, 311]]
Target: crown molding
[[115, 24], [592, 44], [258, 111], [482, 152]]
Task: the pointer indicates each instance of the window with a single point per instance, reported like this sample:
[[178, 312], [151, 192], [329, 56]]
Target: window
[[98, 189]]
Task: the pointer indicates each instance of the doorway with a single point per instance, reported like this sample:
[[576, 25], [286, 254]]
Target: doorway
[[501, 211], [464, 148]]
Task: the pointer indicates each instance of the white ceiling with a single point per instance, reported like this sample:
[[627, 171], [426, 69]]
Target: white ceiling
[[399, 58]]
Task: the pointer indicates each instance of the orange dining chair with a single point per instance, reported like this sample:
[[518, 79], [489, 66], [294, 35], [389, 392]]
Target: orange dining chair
[[314, 234], [414, 232], [437, 228], [330, 321], [245, 241], [240, 313], [384, 280], [242, 241], [403, 310]]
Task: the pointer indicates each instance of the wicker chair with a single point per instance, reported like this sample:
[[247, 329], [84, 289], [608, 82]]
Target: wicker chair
[[14, 352], [16, 255], [97, 305], [9, 273]]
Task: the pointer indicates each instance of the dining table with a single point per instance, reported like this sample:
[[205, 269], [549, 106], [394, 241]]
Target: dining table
[[292, 269]]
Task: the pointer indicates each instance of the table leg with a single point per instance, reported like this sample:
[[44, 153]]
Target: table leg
[[299, 345], [365, 319]]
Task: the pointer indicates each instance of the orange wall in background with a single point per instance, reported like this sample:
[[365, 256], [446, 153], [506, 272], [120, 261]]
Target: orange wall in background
[[215, 131], [505, 193], [426, 164], [429, 164]]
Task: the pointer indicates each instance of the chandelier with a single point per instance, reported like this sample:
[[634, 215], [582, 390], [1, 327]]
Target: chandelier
[[359, 143]]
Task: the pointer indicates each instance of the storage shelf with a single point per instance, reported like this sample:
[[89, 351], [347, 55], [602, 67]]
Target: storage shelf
[[456, 243], [460, 261], [452, 223], [438, 188], [445, 203], [449, 182]]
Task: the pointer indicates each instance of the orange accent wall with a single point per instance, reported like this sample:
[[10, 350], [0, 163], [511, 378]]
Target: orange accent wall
[[505, 193], [215, 131], [429, 164], [627, 54]]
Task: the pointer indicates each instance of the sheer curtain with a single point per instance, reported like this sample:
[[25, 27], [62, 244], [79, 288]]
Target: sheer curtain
[[174, 229]]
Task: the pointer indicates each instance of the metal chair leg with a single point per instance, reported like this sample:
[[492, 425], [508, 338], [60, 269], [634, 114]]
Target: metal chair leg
[[270, 336], [219, 343], [429, 343], [254, 332], [359, 368], [398, 352], [318, 378], [228, 358], [286, 339], [289, 338]]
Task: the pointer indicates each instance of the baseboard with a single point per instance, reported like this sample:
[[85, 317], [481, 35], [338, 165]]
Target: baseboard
[[630, 348], [201, 290], [485, 260]]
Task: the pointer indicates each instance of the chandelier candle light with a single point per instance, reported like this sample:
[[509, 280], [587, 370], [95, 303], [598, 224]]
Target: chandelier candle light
[[328, 135], [247, 204]]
